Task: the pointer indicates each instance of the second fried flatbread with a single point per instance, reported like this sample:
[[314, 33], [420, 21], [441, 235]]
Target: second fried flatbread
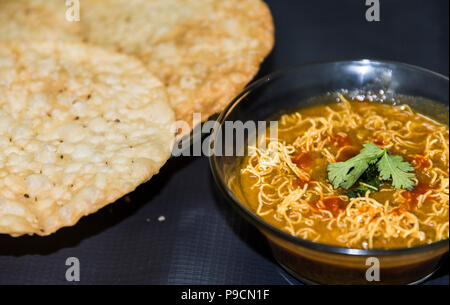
[[27, 20], [205, 51]]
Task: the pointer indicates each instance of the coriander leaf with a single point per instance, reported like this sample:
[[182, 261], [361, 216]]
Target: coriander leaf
[[395, 168], [369, 181], [371, 176], [345, 174], [357, 192], [361, 190], [371, 152]]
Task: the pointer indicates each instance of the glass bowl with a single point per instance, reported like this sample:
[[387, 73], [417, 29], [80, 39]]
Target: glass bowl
[[309, 261]]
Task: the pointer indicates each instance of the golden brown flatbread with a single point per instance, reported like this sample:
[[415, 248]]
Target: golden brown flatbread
[[79, 128], [204, 51], [27, 20]]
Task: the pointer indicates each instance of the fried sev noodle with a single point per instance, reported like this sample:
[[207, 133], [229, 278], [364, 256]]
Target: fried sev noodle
[[364, 219]]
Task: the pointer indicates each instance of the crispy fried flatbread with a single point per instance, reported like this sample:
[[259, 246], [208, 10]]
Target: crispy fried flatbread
[[205, 51], [26, 20], [79, 128]]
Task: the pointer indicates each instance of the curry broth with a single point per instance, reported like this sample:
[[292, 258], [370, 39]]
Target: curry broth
[[321, 213]]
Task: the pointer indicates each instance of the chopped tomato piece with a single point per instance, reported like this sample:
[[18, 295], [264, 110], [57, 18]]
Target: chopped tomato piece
[[412, 197], [300, 183], [379, 142], [420, 161], [332, 204], [303, 160], [341, 139]]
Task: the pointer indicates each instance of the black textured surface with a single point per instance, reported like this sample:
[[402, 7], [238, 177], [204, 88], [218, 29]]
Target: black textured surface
[[202, 240]]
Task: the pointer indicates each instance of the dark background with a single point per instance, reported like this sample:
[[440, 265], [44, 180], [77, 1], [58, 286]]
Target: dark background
[[202, 240]]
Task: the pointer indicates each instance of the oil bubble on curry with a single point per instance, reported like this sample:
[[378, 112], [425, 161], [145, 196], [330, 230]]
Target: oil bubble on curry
[[355, 173]]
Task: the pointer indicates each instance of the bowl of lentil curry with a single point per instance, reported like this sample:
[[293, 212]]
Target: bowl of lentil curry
[[356, 176]]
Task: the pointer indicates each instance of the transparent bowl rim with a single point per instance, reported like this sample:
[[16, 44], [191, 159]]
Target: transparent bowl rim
[[258, 221]]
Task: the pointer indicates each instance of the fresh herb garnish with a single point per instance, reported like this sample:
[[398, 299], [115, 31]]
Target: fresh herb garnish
[[373, 165], [345, 174], [369, 181], [395, 168]]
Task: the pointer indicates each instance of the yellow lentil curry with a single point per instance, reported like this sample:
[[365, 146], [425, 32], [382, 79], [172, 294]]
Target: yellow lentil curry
[[288, 182]]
